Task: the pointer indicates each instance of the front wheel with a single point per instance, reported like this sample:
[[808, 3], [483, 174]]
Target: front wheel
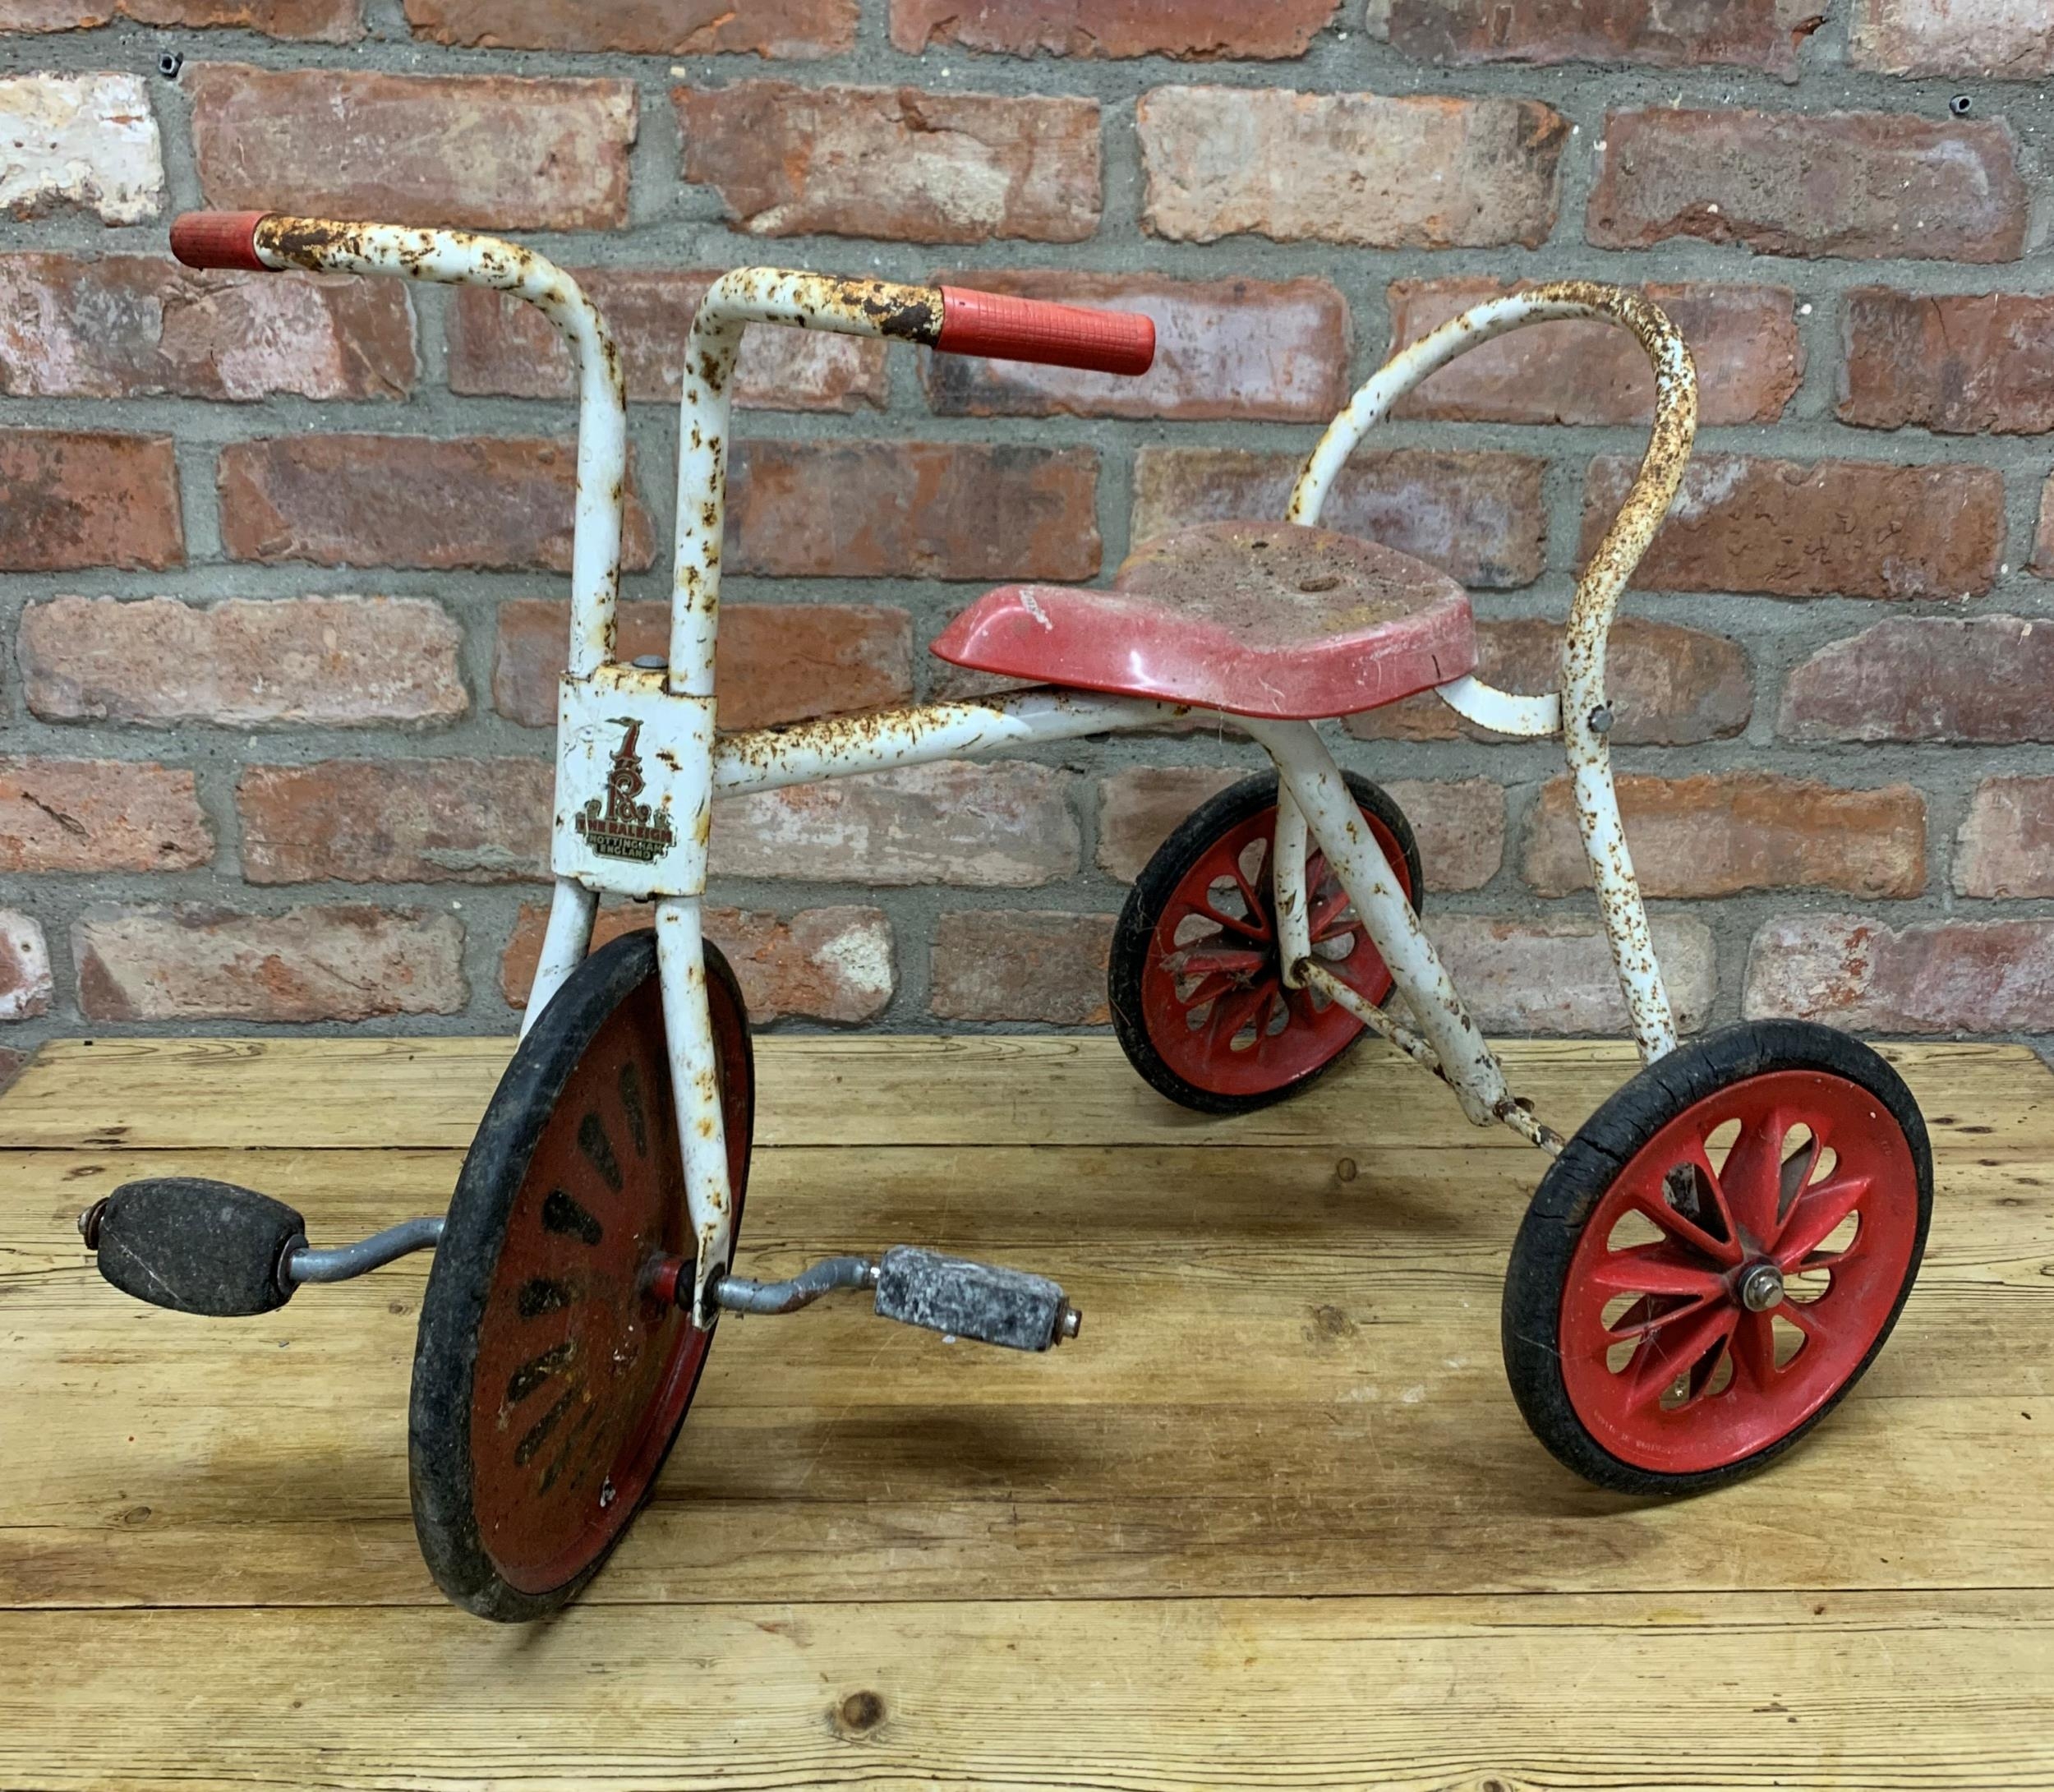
[[1716, 1257], [551, 1376]]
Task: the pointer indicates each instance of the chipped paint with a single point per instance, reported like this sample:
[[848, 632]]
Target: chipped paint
[[1582, 711]]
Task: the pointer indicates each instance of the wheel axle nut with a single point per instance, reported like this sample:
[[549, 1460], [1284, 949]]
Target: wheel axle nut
[[1761, 1287]]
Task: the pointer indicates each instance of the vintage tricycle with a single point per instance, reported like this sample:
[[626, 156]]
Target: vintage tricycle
[[1708, 1265]]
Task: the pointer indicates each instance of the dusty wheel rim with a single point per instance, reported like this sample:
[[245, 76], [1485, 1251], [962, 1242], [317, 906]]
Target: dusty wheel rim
[[1738, 1270], [551, 1379], [1213, 996]]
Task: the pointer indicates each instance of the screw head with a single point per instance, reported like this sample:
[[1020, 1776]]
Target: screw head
[[1761, 1287]]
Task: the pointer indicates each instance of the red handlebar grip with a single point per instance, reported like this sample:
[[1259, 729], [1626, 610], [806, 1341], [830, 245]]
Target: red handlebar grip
[[218, 239], [1009, 328]]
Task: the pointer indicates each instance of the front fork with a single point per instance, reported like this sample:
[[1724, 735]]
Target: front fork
[[695, 1086]]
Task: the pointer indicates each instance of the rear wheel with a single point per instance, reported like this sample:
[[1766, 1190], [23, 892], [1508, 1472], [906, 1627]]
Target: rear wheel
[[550, 1377], [1716, 1257], [1196, 978]]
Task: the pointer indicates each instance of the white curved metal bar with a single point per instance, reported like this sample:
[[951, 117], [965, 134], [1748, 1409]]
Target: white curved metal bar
[[460, 258], [1585, 715], [1503, 712]]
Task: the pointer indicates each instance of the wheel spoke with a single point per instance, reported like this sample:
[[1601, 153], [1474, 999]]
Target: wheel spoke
[[1216, 961], [1671, 1350], [1206, 912], [1751, 1184], [1240, 1012], [1325, 921], [1684, 1231], [1815, 1214], [1754, 1350], [1659, 1268]]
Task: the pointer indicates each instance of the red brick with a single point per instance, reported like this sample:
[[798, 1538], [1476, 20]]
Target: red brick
[[99, 815], [1556, 974], [492, 152], [1753, 34], [1196, 31], [25, 985], [1721, 834], [1670, 686], [329, 963], [1931, 977], [136, 326], [1260, 350], [896, 509], [775, 662], [1416, 173], [1001, 823], [1928, 678], [779, 28], [822, 964], [1743, 339], [1460, 825], [500, 345], [85, 143], [1139, 806], [499, 502], [1862, 184], [894, 162], [1949, 362], [1826, 529], [74, 498], [325, 662], [1480, 517], [2005, 846], [2043, 560], [319, 22], [1021, 965], [396, 821], [2010, 39]]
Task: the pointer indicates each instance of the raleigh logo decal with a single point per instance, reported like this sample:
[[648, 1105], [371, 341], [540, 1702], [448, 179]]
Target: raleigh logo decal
[[628, 829]]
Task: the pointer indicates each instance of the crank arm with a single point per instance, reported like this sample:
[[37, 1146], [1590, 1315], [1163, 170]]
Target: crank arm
[[954, 1295], [200, 1246]]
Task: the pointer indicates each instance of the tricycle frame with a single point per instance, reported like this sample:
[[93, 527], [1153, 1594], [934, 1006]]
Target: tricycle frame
[[604, 839]]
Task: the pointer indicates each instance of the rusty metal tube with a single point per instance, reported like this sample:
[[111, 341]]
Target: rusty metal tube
[[460, 258], [1581, 710]]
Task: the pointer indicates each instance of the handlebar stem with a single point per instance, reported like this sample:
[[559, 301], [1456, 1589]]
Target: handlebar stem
[[752, 295]]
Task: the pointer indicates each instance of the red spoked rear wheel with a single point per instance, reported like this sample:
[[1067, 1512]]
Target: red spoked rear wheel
[[1717, 1257], [1198, 995]]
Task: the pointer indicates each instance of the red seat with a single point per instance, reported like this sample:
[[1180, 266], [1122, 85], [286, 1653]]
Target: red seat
[[1256, 619]]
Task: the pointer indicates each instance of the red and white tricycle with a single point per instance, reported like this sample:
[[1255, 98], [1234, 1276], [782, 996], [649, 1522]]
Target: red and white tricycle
[[1708, 1265]]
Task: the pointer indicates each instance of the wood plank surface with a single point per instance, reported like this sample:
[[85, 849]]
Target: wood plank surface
[[1273, 1521]]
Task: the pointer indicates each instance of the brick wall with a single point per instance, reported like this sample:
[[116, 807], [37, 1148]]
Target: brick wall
[[280, 591]]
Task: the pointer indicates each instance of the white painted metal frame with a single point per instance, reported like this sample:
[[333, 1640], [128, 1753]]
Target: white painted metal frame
[[676, 704]]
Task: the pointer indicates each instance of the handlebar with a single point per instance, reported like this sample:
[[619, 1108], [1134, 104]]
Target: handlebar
[[950, 320]]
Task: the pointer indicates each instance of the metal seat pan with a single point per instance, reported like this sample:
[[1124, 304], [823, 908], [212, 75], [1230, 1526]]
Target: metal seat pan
[[1254, 618]]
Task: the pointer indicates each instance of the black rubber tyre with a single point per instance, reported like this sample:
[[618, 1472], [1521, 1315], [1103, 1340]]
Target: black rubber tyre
[[567, 1116], [1538, 1276], [1173, 862]]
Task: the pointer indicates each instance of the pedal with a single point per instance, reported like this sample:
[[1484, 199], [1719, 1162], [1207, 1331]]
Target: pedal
[[964, 1299], [195, 1245]]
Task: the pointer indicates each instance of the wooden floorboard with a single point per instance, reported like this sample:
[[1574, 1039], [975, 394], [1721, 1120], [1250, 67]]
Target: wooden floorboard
[[1272, 1522]]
